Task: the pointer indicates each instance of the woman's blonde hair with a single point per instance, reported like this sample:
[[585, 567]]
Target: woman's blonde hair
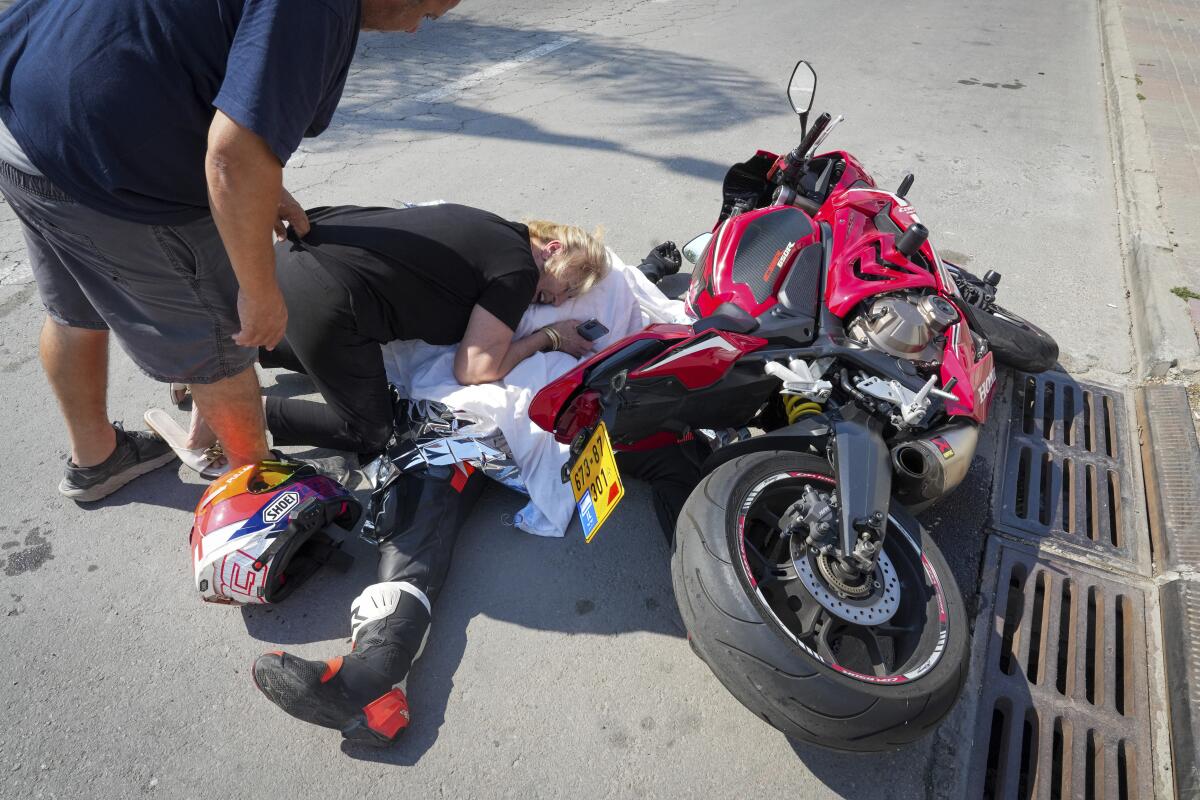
[[583, 261]]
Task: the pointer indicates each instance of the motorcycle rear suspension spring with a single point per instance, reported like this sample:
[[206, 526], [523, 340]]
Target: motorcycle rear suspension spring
[[798, 407]]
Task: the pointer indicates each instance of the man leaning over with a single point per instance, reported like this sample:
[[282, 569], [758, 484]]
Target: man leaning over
[[141, 147]]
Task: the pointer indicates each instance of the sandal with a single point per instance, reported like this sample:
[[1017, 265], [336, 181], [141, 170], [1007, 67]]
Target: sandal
[[209, 461], [179, 392]]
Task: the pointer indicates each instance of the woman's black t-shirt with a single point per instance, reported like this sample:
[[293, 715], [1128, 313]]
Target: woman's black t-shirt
[[416, 273]]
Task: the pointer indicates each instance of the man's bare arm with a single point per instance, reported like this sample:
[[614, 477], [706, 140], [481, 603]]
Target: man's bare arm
[[245, 184]]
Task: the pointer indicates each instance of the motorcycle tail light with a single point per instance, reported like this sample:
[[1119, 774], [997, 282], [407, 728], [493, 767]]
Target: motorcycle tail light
[[583, 412]]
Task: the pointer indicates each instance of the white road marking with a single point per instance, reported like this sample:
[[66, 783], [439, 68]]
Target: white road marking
[[476, 78]]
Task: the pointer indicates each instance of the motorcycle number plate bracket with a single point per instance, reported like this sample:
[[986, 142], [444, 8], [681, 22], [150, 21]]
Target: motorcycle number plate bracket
[[596, 482]]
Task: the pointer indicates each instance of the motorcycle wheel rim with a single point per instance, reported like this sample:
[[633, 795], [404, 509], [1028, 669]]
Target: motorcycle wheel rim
[[903, 649]]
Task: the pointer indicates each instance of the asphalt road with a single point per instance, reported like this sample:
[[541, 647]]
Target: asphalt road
[[554, 668]]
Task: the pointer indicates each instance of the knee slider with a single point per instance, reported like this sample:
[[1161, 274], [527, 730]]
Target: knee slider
[[381, 600]]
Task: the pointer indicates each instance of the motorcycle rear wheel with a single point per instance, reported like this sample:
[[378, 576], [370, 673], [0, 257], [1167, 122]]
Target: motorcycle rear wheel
[[746, 617]]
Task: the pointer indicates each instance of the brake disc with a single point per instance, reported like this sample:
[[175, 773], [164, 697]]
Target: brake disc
[[876, 608]]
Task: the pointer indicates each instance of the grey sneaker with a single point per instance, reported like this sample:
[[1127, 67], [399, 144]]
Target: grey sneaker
[[137, 453]]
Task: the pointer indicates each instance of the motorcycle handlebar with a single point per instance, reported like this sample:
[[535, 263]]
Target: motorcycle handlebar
[[813, 134]]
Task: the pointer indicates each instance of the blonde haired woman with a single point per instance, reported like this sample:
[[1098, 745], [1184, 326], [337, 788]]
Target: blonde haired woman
[[361, 277]]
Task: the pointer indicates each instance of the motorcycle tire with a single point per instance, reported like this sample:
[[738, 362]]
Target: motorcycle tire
[[1015, 341], [763, 664]]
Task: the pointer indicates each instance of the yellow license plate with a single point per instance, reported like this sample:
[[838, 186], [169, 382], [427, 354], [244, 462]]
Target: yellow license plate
[[596, 482]]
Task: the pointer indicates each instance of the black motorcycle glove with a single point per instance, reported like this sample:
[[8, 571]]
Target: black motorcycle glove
[[663, 260]]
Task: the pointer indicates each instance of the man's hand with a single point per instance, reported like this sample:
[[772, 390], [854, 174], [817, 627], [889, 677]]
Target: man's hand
[[263, 317], [572, 342], [293, 214]]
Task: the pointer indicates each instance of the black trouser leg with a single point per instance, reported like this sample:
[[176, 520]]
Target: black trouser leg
[[346, 367], [420, 553], [672, 473], [282, 357], [419, 556]]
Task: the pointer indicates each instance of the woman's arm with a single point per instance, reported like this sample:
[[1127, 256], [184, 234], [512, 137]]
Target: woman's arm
[[488, 351]]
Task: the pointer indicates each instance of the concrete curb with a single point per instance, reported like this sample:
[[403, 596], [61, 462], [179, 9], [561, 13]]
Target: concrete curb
[[1163, 334]]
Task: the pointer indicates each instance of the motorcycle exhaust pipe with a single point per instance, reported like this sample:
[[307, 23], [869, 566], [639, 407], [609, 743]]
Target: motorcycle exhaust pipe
[[928, 468]]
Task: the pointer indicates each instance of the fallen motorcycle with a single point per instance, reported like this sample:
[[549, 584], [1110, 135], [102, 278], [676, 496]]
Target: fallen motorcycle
[[841, 370]]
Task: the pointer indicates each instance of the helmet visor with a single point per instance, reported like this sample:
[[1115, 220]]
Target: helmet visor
[[273, 474]]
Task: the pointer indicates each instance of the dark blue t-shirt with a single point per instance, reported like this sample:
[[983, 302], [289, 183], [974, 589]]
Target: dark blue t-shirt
[[112, 99]]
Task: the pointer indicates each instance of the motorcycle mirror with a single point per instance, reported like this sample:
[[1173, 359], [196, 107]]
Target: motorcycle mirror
[[801, 89], [696, 247]]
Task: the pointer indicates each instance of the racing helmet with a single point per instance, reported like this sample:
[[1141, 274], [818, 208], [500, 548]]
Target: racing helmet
[[259, 531]]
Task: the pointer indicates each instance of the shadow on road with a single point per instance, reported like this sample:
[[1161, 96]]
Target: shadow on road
[[400, 90], [162, 487]]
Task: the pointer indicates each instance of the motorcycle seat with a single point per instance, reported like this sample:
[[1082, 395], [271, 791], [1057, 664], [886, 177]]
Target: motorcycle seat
[[727, 317]]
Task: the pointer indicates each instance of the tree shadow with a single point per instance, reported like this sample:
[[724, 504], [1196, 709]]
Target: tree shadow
[[448, 80]]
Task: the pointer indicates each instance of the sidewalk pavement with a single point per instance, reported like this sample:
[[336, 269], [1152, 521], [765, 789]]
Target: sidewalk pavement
[[1164, 40], [1154, 74]]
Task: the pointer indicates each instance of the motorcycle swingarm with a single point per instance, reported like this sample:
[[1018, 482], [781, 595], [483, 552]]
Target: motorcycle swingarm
[[806, 436]]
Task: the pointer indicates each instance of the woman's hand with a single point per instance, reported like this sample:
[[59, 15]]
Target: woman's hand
[[488, 351], [572, 342]]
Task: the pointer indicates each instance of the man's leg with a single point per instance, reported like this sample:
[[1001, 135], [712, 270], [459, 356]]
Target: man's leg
[[200, 434], [232, 408], [76, 364], [74, 346], [104, 457]]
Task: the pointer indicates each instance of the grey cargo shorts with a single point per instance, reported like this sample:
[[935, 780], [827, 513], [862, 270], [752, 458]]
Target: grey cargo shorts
[[168, 292]]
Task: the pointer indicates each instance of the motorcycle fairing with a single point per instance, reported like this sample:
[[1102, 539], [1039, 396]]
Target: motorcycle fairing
[[747, 183], [691, 381], [701, 361], [628, 353], [976, 379], [866, 262]]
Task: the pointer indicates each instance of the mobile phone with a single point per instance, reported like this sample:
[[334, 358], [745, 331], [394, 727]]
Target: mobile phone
[[591, 330]]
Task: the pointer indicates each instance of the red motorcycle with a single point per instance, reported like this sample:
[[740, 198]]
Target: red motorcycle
[[841, 370]]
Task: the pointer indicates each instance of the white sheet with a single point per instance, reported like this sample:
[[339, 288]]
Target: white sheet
[[625, 301]]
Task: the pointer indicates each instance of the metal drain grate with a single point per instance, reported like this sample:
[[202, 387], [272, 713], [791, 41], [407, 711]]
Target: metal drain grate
[[1171, 462], [1067, 477], [1181, 618], [1063, 705]]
